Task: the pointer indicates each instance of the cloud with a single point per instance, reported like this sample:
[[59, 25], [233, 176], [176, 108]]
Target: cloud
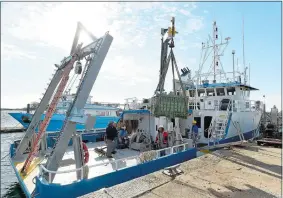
[[194, 24], [126, 68], [133, 59], [9, 52]]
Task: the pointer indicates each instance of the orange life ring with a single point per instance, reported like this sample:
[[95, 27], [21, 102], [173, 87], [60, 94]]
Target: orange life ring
[[86, 153]]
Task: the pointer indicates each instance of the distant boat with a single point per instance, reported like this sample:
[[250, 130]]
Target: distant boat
[[104, 114]]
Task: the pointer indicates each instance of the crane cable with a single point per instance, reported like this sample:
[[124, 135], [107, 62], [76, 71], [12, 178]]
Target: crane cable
[[68, 85]]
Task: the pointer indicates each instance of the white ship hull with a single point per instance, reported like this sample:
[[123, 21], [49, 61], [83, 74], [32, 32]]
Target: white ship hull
[[248, 124]]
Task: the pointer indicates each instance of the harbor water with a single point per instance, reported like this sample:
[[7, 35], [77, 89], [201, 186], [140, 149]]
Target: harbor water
[[9, 183]]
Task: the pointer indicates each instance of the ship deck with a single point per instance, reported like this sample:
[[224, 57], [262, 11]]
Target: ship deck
[[98, 165]]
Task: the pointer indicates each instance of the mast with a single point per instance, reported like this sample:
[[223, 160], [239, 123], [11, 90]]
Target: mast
[[249, 73], [215, 37], [244, 53], [218, 51], [233, 53]]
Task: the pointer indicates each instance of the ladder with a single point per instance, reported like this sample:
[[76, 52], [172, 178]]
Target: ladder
[[256, 133], [49, 113], [240, 133], [218, 126]]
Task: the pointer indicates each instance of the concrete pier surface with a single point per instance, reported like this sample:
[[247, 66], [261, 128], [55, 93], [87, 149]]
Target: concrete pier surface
[[239, 172]]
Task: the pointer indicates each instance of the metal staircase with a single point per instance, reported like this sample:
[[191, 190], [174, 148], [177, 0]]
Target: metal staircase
[[257, 131], [218, 125]]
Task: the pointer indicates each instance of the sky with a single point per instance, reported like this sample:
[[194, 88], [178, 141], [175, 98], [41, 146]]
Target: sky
[[37, 35]]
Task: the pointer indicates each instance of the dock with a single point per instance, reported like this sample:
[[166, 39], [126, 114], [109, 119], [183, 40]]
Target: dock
[[247, 171]]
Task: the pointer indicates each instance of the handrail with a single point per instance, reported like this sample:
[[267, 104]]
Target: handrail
[[81, 169], [81, 130], [237, 105], [241, 104]]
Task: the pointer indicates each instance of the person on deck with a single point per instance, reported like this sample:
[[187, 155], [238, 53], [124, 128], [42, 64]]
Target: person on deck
[[116, 138], [122, 134], [111, 134], [195, 132], [123, 138], [161, 138]]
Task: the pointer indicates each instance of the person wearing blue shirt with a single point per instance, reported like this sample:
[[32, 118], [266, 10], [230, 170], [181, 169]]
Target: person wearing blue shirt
[[195, 131], [123, 134]]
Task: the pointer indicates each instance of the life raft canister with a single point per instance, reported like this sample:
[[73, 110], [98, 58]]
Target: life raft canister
[[86, 153]]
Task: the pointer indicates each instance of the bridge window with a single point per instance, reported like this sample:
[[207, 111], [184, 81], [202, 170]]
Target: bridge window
[[246, 93], [192, 93], [201, 92], [210, 92], [247, 105], [220, 91], [231, 91]]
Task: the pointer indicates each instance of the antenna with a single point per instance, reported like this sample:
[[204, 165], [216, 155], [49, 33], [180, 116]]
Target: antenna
[[249, 73], [215, 37], [238, 65], [244, 47]]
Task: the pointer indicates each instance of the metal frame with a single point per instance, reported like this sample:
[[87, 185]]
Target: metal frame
[[95, 54]]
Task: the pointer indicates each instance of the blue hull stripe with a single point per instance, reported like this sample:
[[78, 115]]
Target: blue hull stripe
[[86, 186], [248, 136], [90, 185]]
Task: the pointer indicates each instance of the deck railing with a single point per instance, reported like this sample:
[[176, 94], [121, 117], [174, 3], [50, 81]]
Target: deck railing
[[83, 131], [156, 155], [211, 104]]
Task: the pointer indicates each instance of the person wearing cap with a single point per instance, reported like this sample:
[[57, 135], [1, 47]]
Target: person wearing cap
[[111, 134], [195, 131]]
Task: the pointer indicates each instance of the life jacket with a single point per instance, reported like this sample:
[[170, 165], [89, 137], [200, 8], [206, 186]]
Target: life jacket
[[164, 137], [86, 153]]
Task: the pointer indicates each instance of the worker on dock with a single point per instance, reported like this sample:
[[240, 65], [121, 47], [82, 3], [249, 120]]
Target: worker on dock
[[111, 134], [195, 132]]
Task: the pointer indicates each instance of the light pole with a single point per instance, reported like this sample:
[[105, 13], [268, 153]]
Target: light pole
[[264, 113], [233, 53]]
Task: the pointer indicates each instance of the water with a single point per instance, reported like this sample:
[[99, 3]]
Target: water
[[9, 182]]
